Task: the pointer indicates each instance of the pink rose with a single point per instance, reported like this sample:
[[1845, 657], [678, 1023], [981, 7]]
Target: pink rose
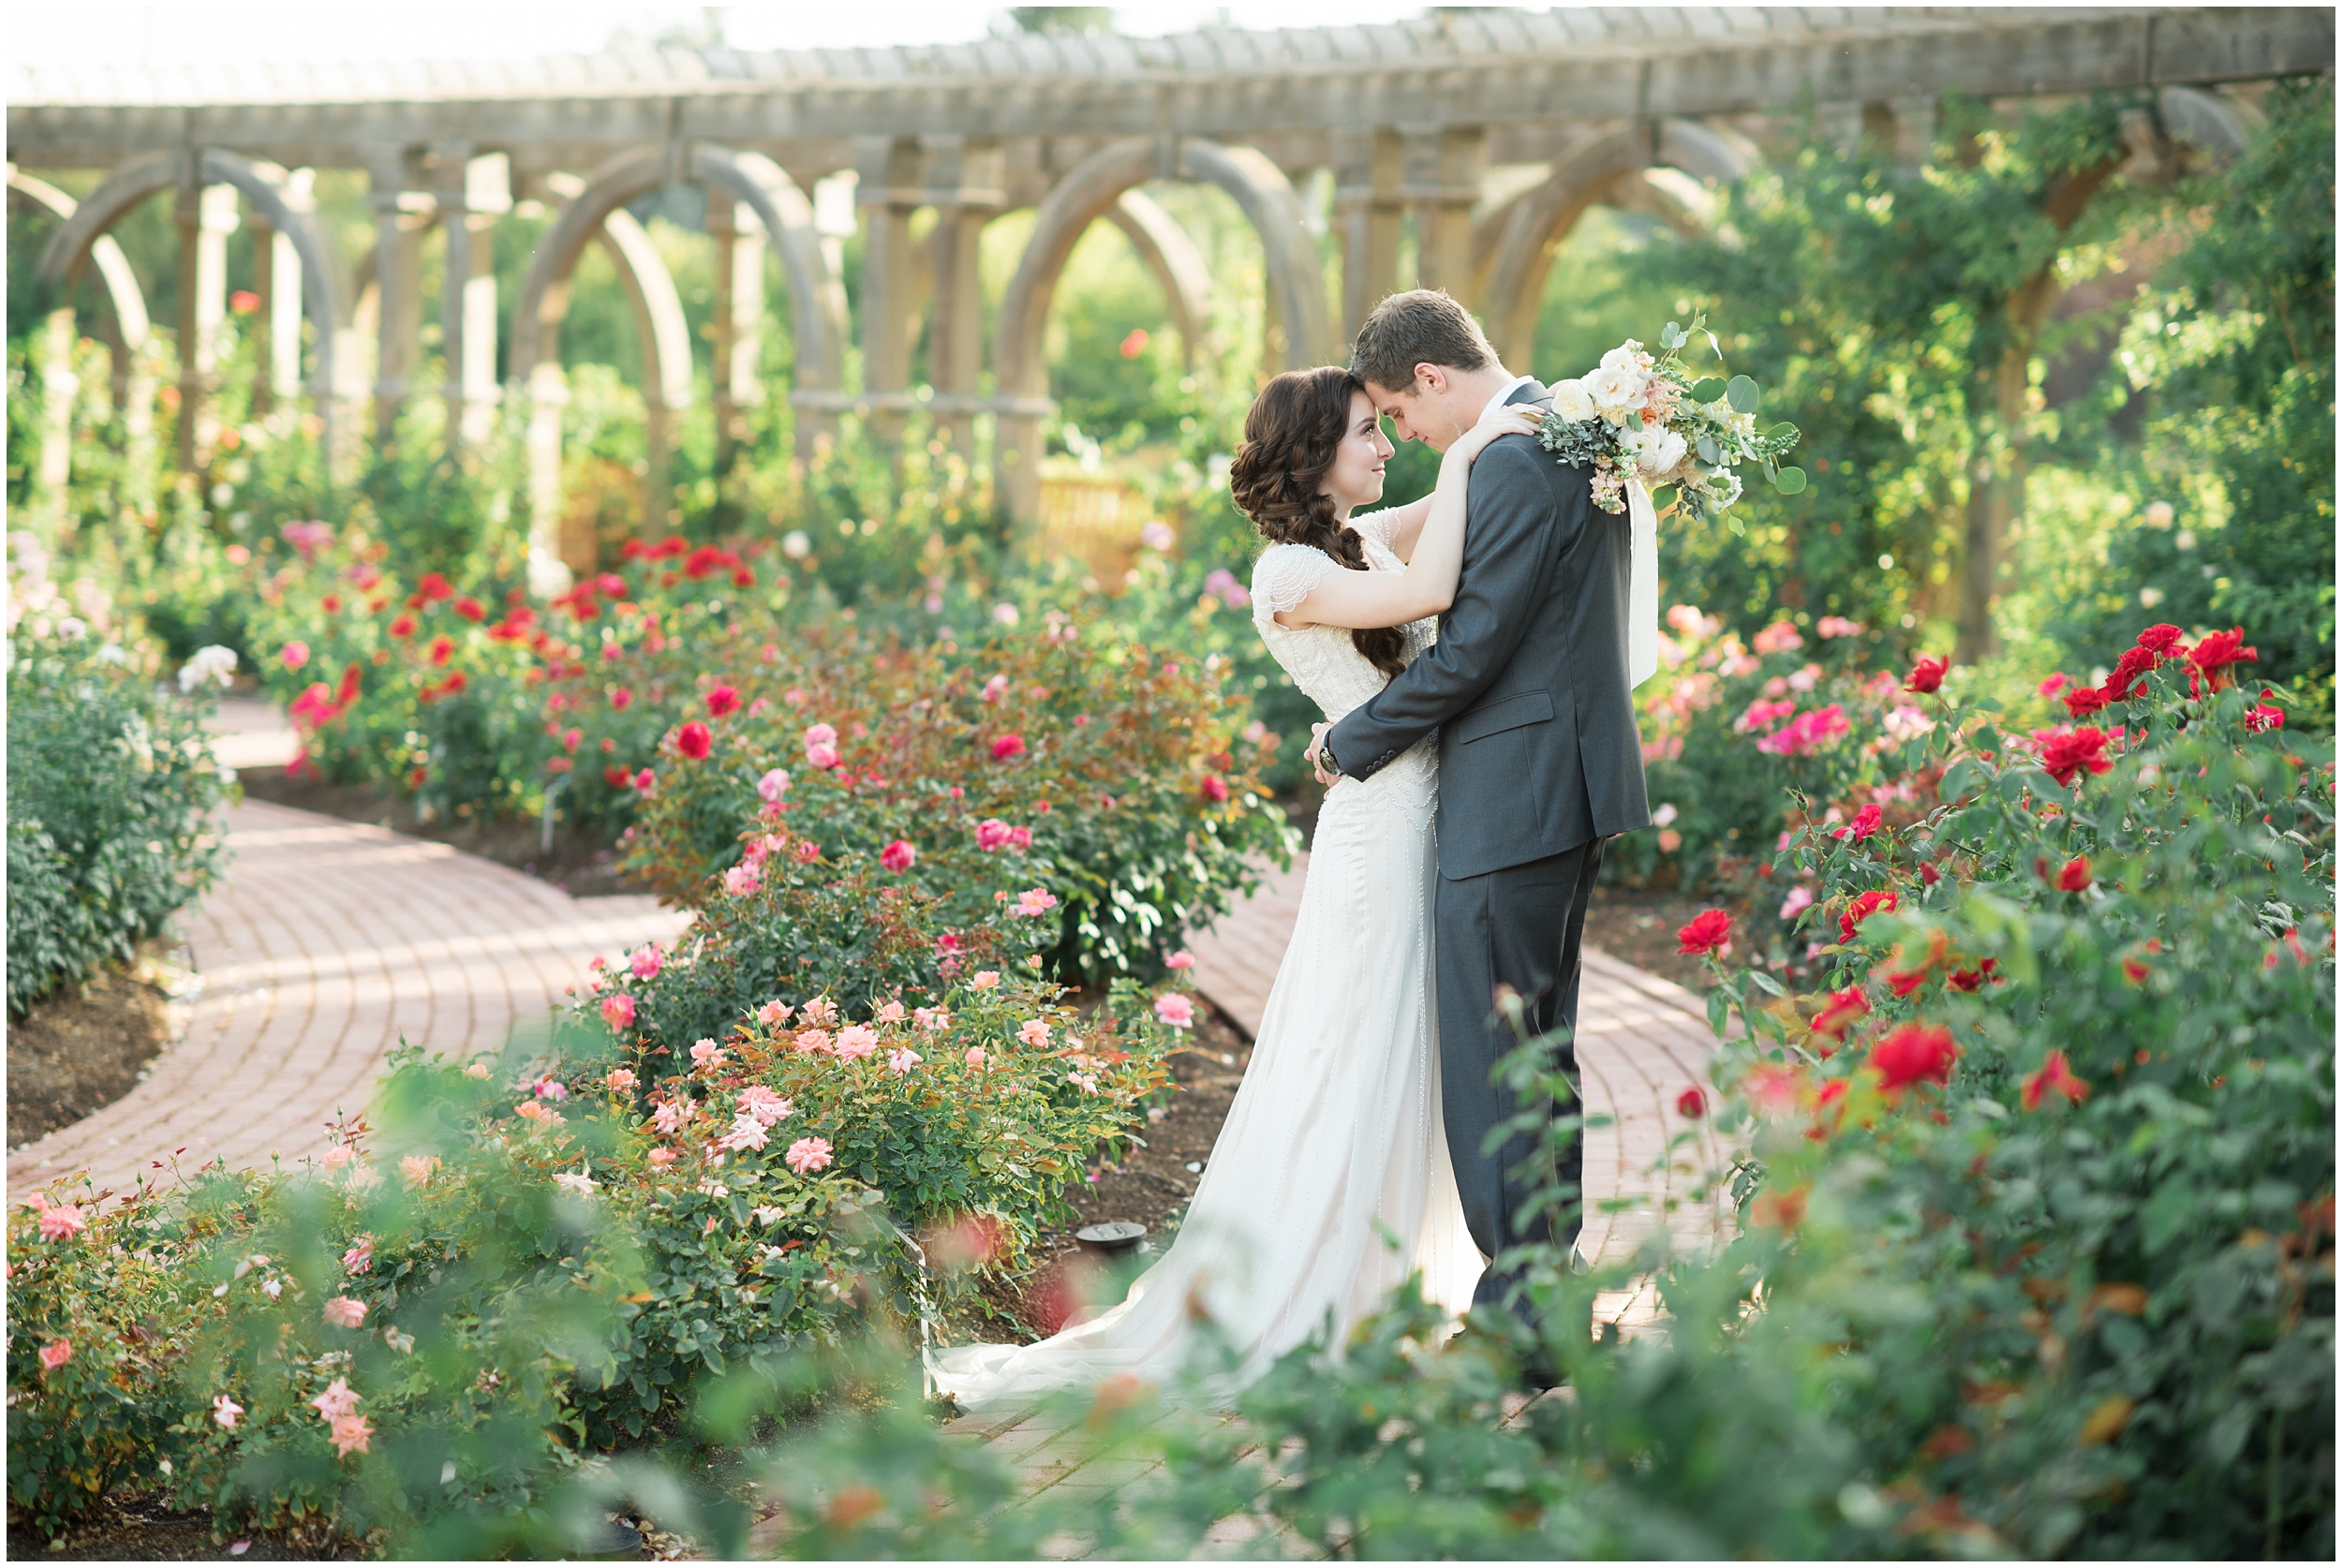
[[61, 1222], [621, 1079], [227, 1411], [1175, 1010], [345, 1312], [807, 1154], [350, 1433], [1034, 1032], [295, 655], [976, 1057], [809, 851], [904, 1059], [856, 1040], [56, 1353], [706, 1055], [619, 1010], [1008, 747], [1180, 960], [899, 856], [891, 1013], [359, 1259], [821, 755], [774, 785], [991, 833], [663, 1156], [339, 1399], [743, 880], [645, 962]]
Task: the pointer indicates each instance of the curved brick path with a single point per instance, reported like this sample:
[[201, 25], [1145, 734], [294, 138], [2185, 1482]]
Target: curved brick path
[[325, 943]]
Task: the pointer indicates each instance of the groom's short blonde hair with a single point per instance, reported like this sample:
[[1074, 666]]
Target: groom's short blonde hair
[[1422, 326]]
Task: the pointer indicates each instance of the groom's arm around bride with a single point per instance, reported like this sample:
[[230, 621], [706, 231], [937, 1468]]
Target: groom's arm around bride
[[1539, 758]]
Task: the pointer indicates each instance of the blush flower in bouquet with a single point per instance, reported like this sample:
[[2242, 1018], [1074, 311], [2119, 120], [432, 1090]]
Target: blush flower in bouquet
[[1636, 417]]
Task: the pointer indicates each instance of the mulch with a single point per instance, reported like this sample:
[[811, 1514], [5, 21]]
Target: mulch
[[85, 1046]]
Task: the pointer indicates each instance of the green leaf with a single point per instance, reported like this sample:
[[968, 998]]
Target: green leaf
[[1710, 452], [1708, 389], [1789, 480], [1741, 392], [1785, 430]]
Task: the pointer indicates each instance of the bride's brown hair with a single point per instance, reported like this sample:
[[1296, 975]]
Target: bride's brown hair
[[1290, 437]]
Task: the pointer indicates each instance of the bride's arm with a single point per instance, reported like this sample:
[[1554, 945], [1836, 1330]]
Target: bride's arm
[[1428, 587]]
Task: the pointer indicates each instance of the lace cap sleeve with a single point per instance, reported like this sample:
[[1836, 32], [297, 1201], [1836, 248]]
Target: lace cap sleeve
[[1380, 527], [1282, 578]]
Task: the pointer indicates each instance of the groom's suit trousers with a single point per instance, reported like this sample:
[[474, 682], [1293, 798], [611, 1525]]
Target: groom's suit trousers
[[1521, 926]]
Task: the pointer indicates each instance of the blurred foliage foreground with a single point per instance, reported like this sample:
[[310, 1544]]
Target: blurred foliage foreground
[[2034, 1252]]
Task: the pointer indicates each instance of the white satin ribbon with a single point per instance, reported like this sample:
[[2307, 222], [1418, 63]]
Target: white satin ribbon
[[1642, 586]]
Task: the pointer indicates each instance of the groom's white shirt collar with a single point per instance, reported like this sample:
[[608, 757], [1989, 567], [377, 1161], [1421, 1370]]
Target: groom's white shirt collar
[[1504, 395]]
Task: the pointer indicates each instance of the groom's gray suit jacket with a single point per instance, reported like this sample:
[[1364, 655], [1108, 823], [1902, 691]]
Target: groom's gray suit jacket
[[1527, 684]]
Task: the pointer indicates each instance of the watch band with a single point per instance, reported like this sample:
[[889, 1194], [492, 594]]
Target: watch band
[[1325, 755]]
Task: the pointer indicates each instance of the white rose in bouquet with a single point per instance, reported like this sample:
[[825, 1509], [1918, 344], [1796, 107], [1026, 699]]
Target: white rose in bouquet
[[1617, 394], [1629, 357], [1663, 450], [1572, 401]]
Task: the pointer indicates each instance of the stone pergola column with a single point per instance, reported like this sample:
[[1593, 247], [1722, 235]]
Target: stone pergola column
[[206, 215], [1443, 169], [888, 192], [280, 290], [401, 211], [470, 193], [968, 180], [1368, 215], [738, 327]]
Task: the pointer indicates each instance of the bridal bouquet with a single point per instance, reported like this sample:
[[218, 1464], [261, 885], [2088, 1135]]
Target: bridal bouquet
[[1652, 419]]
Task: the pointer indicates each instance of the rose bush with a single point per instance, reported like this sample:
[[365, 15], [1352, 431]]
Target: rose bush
[[111, 788]]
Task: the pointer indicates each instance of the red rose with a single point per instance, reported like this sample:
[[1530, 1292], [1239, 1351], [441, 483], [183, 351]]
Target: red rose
[[471, 608], [744, 578], [1841, 1010], [617, 777], [1928, 874], [2074, 874], [1865, 823], [2054, 1077], [722, 699], [1916, 1053], [2264, 718], [1215, 788], [434, 587], [2065, 754], [1007, 746], [2163, 641], [1862, 908], [693, 740], [1927, 675], [2084, 701], [2218, 652], [1709, 932], [1691, 1104], [443, 649], [2124, 681], [403, 626]]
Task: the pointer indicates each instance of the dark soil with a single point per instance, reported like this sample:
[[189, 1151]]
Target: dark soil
[[129, 1528], [85, 1046], [581, 862]]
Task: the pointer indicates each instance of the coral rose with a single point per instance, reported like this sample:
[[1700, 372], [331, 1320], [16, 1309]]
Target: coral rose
[[2055, 1077], [619, 1010]]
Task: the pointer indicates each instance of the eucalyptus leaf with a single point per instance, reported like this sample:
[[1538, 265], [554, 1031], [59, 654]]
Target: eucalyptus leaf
[[1710, 452], [1708, 389], [1741, 392], [1789, 480], [1785, 430]]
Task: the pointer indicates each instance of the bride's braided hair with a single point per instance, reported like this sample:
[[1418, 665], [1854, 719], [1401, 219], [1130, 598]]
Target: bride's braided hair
[[1290, 438]]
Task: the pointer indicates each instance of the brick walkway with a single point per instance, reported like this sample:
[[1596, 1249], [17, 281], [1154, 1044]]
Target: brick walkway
[[325, 943]]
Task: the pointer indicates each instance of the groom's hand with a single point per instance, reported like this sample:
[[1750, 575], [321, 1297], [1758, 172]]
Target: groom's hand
[[1317, 744]]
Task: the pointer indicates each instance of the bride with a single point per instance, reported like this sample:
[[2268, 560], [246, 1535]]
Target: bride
[[1330, 1181]]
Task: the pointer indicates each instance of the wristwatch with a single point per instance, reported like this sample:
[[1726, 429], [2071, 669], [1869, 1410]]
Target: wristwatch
[[1325, 758]]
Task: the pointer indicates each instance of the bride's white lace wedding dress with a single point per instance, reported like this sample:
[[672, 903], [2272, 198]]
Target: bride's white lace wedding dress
[[1330, 1181]]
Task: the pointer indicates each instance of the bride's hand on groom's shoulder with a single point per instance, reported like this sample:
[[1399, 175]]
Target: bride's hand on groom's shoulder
[[1512, 419]]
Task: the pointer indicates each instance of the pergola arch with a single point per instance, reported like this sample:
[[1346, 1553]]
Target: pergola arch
[[1090, 190], [1586, 173], [289, 211], [127, 321], [1170, 253], [749, 178]]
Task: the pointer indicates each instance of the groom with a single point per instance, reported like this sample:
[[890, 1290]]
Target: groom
[[1539, 759]]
